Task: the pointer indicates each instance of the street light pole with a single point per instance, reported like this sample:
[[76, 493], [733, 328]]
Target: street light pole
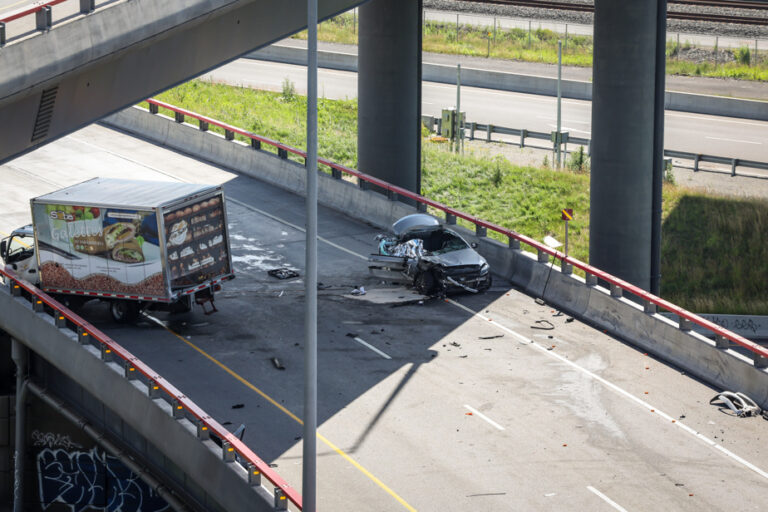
[[559, 98], [309, 467]]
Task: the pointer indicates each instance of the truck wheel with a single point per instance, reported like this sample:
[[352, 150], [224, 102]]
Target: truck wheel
[[124, 311]]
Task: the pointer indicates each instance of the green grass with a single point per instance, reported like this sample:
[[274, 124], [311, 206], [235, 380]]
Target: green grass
[[540, 45], [714, 248]]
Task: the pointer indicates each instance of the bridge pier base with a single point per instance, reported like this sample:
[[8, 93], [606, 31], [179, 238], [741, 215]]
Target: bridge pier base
[[389, 91]]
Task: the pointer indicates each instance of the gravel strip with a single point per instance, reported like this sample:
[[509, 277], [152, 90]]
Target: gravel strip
[[693, 27]]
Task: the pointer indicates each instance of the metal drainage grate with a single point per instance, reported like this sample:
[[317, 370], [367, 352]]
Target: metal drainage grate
[[44, 113]]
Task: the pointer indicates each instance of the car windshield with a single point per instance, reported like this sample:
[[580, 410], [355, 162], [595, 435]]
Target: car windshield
[[450, 243]]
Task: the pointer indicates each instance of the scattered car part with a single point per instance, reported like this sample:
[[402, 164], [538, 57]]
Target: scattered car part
[[741, 405], [283, 273]]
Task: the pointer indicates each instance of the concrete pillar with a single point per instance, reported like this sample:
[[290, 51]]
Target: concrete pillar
[[6, 388], [389, 91], [623, 117]]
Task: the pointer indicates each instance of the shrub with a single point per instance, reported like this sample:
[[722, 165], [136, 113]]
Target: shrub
[[289, 90], [743, 55]]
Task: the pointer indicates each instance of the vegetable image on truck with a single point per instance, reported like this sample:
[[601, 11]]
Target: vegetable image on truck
[[136, 244]]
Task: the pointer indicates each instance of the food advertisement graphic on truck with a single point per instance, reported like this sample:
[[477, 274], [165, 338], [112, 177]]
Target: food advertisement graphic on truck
[[195, 242], [87, 248]]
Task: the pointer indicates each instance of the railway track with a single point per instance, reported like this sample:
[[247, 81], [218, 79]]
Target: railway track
[[761, 19]]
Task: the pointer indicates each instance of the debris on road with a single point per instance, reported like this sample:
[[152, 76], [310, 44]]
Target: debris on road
[[238, 406], [277, 363], [741, 405], [360, 290], [283, 273], [544, 325], [490, 337]]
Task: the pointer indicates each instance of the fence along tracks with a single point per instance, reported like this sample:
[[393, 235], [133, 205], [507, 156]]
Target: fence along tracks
[[761, 19]]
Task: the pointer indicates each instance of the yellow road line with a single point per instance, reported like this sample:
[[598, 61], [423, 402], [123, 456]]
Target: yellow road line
[[291, 415]]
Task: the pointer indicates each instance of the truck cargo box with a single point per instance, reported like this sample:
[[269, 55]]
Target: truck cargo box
[[128, 239]]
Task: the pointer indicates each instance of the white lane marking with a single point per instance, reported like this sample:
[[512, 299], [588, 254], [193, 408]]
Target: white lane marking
[[566, 129], [703, 117], [607, 499], [617, 389], [483, 416], [294, 226], [368, 345], [734, 140]]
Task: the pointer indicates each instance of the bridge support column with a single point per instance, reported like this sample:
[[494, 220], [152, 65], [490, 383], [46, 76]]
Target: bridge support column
[[389, 91], [19, 354], [6, 389], [628, 89]]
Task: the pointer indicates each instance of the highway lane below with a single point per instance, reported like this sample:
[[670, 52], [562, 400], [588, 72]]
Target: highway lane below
[[712, 135], [487, 401]]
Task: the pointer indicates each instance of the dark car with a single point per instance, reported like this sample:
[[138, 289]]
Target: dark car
[[435, 259]]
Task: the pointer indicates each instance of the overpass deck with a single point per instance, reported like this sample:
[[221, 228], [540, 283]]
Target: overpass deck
[[475, 407]]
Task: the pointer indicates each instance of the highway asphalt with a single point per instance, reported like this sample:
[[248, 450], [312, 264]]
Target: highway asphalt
[[712, 135], [479, 404]]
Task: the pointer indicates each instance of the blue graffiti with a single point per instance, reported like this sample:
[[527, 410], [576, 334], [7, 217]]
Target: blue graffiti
[[87, 479]]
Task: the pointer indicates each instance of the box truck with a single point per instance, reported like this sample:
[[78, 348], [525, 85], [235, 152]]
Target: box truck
[[134, 244]]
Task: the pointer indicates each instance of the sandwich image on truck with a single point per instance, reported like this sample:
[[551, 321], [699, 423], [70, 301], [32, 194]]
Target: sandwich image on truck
[[134, 244]]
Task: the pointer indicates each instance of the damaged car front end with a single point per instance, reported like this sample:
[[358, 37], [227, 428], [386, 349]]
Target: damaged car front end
[[434, 259]]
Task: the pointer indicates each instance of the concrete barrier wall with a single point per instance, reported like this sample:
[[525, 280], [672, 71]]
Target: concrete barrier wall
[[172, 445], [530, 84], [724, 368]]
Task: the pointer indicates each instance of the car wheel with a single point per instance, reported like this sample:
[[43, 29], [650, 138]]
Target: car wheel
[[485, 285], [425, 282], [124, 311]]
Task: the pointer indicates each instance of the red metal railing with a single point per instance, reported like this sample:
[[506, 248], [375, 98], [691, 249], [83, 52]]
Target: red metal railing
[[156, 385], [33, 8], [719, 332]]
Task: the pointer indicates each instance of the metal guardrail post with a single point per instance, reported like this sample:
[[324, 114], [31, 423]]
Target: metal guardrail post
[[591, 280], [616, 291], [203, 125], [488, 132], [15, 289], [82, 335], [255, 144], [178, 409], [391, 194], [87, 6], [684, 324], [153, 109], [282, 153], [480, 231], [2, 33], [229, 134], [335, 173], [421, 207], [203, 432], [129, 371], [760, 361], [362, 184], [44, 18], [153, 390], [178, 117], [106, 353], [60, 320], [472, 127], [696, 163], [566, 268], [734, 163], [721, 341], [38, 306], [227, 451], [281, 501], [649, 307], [513, 243], [542, 256], [450, 219], [254, 475], [523, 135]]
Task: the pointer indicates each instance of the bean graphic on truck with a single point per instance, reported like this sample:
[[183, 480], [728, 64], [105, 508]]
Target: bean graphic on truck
[[135, 244]]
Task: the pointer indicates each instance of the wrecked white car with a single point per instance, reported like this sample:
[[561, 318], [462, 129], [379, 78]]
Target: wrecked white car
[[435, 259]]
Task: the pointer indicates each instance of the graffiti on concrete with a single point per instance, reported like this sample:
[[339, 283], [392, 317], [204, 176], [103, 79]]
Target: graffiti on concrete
[[51, 440], [84, 480]]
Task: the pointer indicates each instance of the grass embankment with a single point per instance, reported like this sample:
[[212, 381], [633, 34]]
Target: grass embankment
[[540, 45], [714, 249]]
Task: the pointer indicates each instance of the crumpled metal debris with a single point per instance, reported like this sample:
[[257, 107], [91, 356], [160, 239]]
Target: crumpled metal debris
[[283, 273], [741, 405]]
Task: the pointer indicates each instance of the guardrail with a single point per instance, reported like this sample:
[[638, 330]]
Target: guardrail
[[43, 14], [434, 124], [232, 448], [618, 287]]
